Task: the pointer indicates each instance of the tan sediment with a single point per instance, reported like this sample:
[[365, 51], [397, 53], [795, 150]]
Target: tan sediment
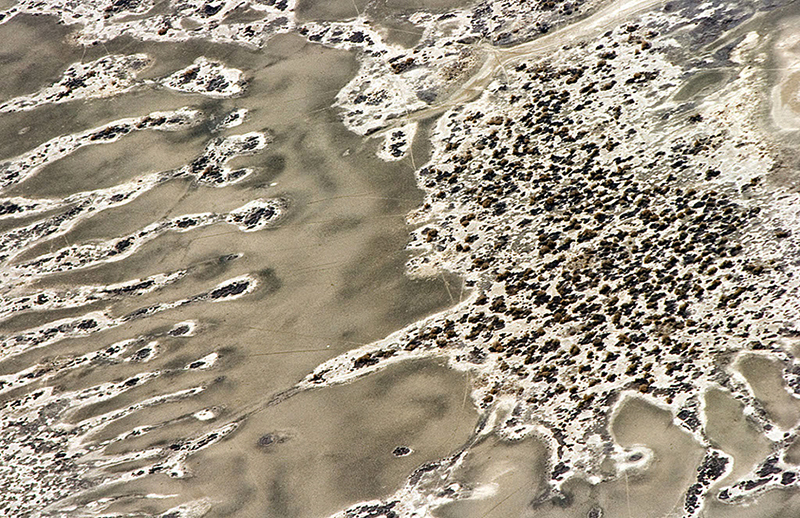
[[506, 476], [332, 278], [775, 504], [675, 455], [732, 432], [653, 491], [322, 10], [765, 377]]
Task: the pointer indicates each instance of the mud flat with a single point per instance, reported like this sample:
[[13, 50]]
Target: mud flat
[[529, 259], [130, 339]]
